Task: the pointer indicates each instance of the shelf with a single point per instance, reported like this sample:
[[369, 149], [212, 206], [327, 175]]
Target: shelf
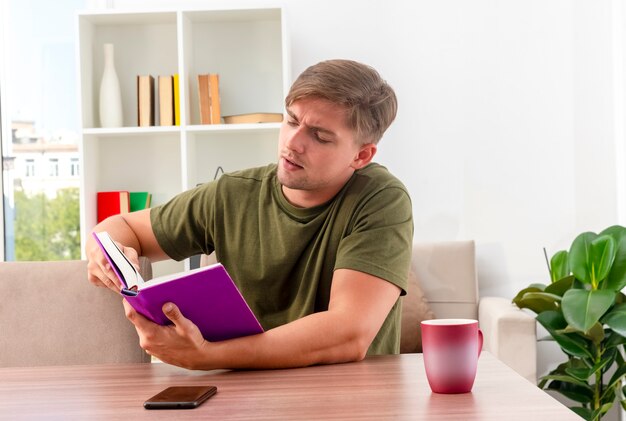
[[131, 131], [246, 46], [127, 18], [231, 128]]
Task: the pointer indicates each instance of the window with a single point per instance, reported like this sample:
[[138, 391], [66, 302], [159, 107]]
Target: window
[[74, 169], [29, 167], [40, 118], [53, 165]]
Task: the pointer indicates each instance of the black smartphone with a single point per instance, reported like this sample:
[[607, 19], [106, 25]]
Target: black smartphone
[[180, 397]]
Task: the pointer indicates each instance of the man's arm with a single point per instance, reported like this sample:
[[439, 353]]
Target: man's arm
[[133, 232], [359, 304]]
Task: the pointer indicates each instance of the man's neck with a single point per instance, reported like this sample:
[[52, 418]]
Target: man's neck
[[307, 199]]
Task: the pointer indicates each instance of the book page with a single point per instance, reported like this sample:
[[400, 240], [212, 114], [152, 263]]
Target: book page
[[166, 278], [125, 270]]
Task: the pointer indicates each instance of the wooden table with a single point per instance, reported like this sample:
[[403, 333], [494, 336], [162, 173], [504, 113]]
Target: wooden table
[[378, 388]]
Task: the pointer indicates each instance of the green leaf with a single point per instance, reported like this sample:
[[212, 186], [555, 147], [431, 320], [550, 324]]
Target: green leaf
[[566, 379], [618, 356], [582, 309], [617, 277], [546, 339], [561, 369], [552, 299], [559, 265], [561, 286], [608, 396], [616, 319], [552, 321], [584, 413], [617, 376], [539, 301], [573, 345], [581, 374], [579, 256], [602, 254], [596, 333], [582, 394], [518, 298], [606, 407], [614, 339]]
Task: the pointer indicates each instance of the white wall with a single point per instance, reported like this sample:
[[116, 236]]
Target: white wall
[[510, 117], [504, 133], [505, 129]]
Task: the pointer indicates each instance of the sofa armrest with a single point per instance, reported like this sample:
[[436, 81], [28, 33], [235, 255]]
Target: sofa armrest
[[510, 334]]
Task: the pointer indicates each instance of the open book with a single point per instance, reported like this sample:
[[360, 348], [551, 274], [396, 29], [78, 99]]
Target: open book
[[207, 296]]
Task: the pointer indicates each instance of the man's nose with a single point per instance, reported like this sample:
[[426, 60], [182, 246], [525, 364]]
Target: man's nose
[[296, 139]]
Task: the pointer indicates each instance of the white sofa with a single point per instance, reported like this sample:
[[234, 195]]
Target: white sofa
[[446, 273], [51, 315]]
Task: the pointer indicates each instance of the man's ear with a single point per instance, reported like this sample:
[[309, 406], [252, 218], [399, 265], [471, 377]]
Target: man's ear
[[364, 156]]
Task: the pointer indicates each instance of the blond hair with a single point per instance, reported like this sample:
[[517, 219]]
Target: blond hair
[[370, 102]]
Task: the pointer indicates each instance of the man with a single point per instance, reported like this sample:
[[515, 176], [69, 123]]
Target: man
[[318, 244]]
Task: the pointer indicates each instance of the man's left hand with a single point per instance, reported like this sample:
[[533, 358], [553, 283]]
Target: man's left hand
[[180, 344]]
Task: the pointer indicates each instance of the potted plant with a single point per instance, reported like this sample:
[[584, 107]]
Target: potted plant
[[584, 311]]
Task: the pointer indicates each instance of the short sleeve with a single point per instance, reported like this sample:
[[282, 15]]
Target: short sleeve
[[380, 239], [182, 225]]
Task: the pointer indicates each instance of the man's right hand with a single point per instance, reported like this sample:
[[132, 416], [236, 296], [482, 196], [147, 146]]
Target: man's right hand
[[99, 270], [133, 229]]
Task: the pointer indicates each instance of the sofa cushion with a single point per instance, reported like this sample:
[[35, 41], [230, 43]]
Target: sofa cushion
[[415, 308], [51, 315]]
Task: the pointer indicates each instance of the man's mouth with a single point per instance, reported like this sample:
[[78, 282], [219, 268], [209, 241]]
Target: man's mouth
[[291, 164]]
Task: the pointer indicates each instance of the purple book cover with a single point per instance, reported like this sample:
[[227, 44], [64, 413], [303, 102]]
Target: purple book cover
[[207, 296]]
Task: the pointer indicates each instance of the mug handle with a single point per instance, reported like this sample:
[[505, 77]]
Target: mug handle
[[480, 341]]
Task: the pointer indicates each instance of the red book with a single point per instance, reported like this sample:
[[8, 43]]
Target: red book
[[112, 203]]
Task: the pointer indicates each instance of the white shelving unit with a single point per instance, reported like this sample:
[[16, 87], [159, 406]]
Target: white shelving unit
[[248, 48]]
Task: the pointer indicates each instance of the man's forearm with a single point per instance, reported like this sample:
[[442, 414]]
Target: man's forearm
[[320, 338], [132, 230], [119, 230], [342, 333]]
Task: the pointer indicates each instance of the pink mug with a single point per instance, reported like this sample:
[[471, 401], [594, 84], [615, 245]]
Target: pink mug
[[451, 349]]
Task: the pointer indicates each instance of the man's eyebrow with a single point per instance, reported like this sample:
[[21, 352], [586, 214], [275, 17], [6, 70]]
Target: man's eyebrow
[[316, 128], [323, 130], [291, 114]]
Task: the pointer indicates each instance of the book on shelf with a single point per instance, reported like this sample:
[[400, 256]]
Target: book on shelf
[[176, 100], [204, 99], [112, 203], [166, 100], [214, 95], [207, 296], [209, 98], [253, 118], [140, 200], [145, 100]]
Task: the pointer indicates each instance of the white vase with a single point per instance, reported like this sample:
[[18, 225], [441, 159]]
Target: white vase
[[110, 93]]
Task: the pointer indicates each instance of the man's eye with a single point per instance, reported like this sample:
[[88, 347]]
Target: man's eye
[[292, 123], [319, 138]]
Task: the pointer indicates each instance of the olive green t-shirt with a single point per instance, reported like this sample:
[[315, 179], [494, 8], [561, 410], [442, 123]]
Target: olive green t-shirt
[[282, 257]]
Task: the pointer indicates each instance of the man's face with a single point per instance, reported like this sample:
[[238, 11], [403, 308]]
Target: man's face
[[317, 152]]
